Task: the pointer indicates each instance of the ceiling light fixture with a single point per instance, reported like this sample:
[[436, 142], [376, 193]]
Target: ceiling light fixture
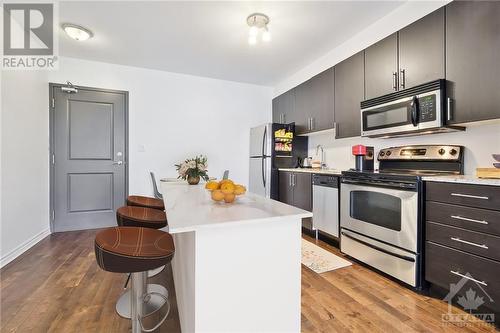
[[258, 22], [77, 32]]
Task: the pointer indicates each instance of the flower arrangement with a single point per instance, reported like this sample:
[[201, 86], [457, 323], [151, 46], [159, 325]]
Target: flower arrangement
[[193, 169]]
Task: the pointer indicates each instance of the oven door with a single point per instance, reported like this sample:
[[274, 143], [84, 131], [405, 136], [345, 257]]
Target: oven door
[[385, 214]]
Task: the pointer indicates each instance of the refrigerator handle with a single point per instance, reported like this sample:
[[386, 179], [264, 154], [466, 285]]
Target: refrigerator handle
[[264, 139], [263, 171]]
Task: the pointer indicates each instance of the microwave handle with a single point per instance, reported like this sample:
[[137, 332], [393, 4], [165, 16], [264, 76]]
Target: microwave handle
[[414, 111]]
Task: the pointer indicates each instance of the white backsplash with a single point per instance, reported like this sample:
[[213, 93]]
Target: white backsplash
[[479, 140]]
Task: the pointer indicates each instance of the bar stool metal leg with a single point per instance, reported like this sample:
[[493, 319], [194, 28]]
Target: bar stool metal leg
[[137, 292]]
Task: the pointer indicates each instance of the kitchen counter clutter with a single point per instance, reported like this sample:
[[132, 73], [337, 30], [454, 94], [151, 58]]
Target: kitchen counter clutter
[[463, 179], [334, 172], [221, 252]]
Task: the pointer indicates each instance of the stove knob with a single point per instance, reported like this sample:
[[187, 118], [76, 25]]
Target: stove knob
[[382, 153], [388, 153], [453, 151], [441, 151]]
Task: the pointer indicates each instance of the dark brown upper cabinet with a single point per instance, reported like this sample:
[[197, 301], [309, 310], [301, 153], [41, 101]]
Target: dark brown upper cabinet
[[314, 103], [472, 60], [284, 108], [410, 57], [349, 92], [421, 50], [381, 67]]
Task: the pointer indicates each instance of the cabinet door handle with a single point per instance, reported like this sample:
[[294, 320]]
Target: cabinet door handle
[[395, 81], [449, 109], [468, 278], [468, 219], [312, 124], [456, 239], [403, 78], [290, 180], [470, 196]]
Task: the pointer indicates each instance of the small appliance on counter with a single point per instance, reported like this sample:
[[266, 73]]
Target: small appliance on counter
[[273, 146], [364, 157], [381, 216]]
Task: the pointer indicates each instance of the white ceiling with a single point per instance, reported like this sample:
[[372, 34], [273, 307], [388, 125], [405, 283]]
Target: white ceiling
[[210, 38]]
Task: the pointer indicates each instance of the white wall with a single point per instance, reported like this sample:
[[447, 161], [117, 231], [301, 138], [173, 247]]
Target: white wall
[[174, 116], [480, 141], [402, 16], [25, 162]]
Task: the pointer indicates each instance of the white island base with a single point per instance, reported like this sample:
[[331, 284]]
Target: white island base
[[236, 267]]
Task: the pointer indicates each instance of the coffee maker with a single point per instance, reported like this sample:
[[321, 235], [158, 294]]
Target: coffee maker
[[364, 157]]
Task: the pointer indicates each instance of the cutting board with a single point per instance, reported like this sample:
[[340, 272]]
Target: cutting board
[[488, 173]]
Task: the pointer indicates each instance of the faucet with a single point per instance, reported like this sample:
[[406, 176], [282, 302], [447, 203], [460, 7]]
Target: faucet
[[322, 157]]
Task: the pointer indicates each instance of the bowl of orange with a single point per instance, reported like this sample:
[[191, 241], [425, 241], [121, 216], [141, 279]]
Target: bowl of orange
[[225, 190]]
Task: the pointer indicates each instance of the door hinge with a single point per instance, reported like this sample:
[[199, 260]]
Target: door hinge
[[53, 102], [53, 215], [53, 159]]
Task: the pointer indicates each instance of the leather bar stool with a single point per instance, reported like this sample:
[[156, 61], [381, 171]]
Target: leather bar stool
[[136, 250], [148, 202], [134, 216]]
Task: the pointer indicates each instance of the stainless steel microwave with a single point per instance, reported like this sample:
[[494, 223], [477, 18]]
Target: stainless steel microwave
[[418, 110]]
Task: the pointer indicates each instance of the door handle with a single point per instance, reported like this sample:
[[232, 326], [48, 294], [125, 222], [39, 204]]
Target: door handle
[[395, 81], [469, 196], [468, 278], [468, 219], [117, 162], [456, 239], [403, 78]]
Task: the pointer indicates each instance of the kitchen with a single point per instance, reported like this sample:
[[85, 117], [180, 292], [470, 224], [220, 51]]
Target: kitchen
[[379, 149]]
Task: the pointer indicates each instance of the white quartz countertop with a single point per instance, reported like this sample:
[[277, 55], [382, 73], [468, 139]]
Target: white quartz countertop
[[464, 179], [189, 207], [334, 172]]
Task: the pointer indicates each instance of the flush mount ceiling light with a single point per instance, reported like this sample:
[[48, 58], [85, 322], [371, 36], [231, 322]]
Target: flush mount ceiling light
[[77, 32], [258, 23]]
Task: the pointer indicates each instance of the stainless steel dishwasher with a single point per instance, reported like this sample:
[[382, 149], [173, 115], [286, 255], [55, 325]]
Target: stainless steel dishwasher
[[326, 204]]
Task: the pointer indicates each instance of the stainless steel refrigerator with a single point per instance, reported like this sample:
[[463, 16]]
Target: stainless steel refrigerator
[[273, 146], [261, 138]]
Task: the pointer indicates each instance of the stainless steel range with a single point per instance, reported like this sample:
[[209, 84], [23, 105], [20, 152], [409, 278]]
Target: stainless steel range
[[381, 211]]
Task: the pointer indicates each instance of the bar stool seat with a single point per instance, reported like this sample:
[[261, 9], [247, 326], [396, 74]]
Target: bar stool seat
[[136, 250], [134, 216], [133, 249], [142, 201]]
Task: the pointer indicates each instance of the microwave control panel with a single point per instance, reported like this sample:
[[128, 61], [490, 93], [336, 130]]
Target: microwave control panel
[[427, 106]]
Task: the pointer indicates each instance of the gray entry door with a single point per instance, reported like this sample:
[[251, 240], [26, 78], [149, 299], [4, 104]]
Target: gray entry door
[[89, 174]]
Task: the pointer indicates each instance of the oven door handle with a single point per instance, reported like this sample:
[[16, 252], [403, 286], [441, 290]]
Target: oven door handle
[[396, 185], [400, 256]]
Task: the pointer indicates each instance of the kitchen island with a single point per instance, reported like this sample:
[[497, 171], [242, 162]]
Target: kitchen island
[[236, 266]]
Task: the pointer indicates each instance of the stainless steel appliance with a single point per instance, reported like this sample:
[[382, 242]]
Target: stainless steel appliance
[[419, 110], [273, 146], [381, 211], [326, 204]]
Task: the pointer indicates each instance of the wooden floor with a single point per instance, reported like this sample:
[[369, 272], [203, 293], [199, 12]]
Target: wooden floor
[[57, 287]]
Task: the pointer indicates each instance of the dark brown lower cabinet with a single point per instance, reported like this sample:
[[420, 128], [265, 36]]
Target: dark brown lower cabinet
[[462, 244], [295, 188]]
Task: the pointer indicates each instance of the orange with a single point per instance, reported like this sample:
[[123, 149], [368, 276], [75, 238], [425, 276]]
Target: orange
[[228, 198], [211, 185], [227, 188], [217, 195], [224, 181], [239, 189]]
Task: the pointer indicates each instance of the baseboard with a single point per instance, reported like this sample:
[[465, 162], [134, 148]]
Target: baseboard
[[23, 247]]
